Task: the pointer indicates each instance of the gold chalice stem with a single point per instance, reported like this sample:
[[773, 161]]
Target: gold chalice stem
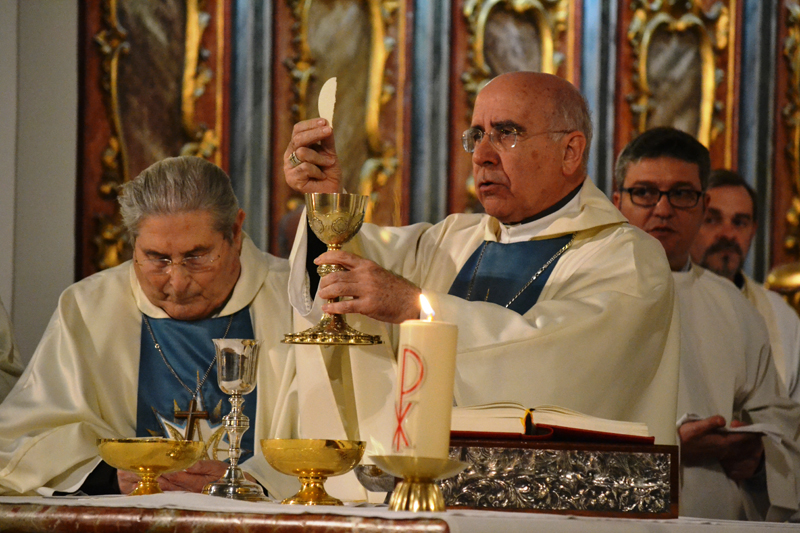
[[332, 322]]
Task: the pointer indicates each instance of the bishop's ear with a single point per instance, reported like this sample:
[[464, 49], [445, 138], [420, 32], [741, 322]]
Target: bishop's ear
[[573, 152]]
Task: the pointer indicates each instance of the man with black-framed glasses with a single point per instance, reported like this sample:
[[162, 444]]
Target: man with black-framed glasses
[[554, 294], [727, 379], [129, 352]]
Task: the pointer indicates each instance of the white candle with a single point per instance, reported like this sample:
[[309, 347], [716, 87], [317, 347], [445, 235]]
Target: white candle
[[426, 362]]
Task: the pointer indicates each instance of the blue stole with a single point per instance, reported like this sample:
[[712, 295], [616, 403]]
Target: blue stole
[[188, 348], [504, 270]]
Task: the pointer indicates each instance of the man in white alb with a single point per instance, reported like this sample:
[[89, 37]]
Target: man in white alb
[[557, 299], [129, 349], [721, 246], [727, 377], [10, 362]]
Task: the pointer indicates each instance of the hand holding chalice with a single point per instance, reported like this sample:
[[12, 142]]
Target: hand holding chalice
[[334, 219]]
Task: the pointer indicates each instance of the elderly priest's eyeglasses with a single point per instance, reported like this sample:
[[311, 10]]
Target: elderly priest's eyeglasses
[[193, 264], [502, 138], [650, 196]]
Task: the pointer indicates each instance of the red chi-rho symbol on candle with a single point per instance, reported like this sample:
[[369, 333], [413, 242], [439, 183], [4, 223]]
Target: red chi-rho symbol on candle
[[412, 373]]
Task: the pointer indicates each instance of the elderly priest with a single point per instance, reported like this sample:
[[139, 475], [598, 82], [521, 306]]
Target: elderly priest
[[557, 298], [128, 349]]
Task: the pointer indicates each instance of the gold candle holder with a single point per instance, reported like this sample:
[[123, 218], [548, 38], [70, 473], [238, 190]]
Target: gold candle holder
[[417, 491], [334, 219]]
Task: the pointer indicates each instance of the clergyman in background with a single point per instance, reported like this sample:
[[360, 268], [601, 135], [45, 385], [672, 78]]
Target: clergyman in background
[[727, 377], [721, 246]]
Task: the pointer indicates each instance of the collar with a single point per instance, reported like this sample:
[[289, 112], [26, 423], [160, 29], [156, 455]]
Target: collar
[[590, 209], [739, 280]]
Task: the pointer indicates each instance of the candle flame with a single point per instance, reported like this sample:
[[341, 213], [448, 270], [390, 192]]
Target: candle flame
[[427, 311]]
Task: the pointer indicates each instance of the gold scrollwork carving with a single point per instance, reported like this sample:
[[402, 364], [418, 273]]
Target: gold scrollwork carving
[[196, 76], [112, 40], [109, 237], [791, 120], [552, 20], [382, 165], [714, 27]]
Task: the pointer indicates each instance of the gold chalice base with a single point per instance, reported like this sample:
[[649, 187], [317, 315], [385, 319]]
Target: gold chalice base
[[332, 329], [312, 461], [150, 458], [418, 490]]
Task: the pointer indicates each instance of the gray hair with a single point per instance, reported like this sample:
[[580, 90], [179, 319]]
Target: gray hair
[[179, 185], [574, 111]]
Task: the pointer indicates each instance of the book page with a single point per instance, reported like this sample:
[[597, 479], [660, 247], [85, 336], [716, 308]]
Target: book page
[[553, 415]]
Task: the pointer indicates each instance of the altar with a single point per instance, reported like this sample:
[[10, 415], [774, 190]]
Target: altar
[[203, 514]]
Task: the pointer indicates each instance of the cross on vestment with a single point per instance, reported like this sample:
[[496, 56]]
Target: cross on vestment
[[192, 415]]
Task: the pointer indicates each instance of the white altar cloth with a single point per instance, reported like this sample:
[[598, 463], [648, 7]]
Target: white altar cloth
[[458, 520]]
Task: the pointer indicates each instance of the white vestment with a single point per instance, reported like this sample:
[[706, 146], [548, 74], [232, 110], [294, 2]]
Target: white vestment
[[602, 337], [10, 362], [82, 381], [783, 325], [727, 370]]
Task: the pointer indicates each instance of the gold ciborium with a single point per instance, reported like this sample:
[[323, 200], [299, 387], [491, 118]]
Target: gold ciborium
[[150, 457], [418, 490], [312, 461], [237, 362], [334, 219]]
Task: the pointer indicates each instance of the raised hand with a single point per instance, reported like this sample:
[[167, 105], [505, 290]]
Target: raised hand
[[310, 163]]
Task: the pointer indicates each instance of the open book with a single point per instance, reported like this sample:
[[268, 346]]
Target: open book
[[545, 422]]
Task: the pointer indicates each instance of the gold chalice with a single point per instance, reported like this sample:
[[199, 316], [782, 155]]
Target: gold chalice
[[150, 457], [312, 461], [335, 219]]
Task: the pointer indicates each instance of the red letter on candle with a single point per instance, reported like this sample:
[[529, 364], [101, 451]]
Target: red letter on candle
[[403, 407]]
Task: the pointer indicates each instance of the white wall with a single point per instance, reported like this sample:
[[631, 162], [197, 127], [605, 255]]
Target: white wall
[[46, 151], [8, 145]]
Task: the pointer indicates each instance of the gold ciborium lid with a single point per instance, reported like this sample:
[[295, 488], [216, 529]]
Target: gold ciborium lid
[[150, 457], [312, 461]]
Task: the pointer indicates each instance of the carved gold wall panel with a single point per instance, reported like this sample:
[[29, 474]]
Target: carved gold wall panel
[[160, 97], [508, 35], [683, 69], [791, 122], [354, 40]]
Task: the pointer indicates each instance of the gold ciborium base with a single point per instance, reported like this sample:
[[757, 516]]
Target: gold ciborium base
[[233, 485], [150, 458], [332, 329], [312, 493], [418, 491], [147, 485], [312, 461]]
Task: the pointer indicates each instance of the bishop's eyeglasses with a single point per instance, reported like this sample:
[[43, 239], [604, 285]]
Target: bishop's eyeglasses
[[502, 138], [194, 264], [650, 196]]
